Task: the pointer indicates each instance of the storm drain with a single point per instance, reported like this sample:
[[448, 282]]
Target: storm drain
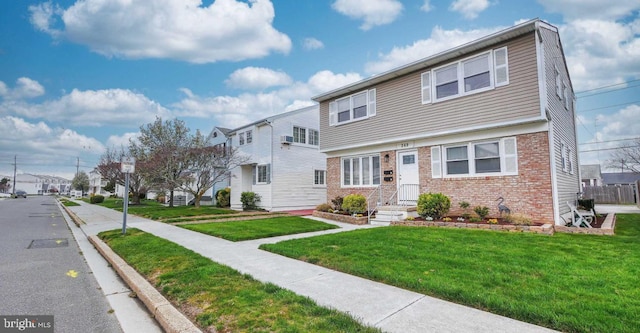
[[48, 243]]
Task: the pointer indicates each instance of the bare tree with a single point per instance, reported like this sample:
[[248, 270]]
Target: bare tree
[[110, 169], [626, 157], [208, 165], [163, 146]]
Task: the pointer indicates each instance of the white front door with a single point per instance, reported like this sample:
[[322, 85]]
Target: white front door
[[408, 177]]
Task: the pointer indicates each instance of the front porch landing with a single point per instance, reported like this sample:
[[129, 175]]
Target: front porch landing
[[387, 214]]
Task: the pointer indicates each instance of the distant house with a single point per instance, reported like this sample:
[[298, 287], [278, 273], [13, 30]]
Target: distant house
[[620, 178], [491, 118], [591, 175], [219, 137], [40, 184], [97, 183], [286, 167]]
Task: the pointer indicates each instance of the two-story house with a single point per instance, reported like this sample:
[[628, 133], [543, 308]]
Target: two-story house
[[491, 118], [285, 166]]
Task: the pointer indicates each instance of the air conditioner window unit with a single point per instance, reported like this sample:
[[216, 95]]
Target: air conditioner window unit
[[286, 139]]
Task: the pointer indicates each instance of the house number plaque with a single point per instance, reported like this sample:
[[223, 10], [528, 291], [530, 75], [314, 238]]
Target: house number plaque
[[405, 145]]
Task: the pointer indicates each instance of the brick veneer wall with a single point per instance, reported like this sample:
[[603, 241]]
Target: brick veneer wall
[[530, 192]]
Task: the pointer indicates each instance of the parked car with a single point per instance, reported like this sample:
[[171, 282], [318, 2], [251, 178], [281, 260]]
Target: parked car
[[20, 193]]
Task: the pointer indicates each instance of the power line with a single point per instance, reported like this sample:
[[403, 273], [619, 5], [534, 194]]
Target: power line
[[591, 143], [603, 149], [604, 87], [608, 91], [610, 106]]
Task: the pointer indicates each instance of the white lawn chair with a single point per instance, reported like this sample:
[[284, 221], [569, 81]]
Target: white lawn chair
[[581, 217]]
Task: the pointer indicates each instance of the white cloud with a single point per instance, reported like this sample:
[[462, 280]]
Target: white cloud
[[312, 44], [591, 9], [426, 6], [176, 29], [234, 111], [440, 40], [623, 124], [257, 78], [96, 108], [37, 145], [372, 12], [25, 88], [117, 141], [469, 8], [600, 52]]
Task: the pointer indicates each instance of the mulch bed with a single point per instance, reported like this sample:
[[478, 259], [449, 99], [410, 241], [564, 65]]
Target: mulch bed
[[501, 221]]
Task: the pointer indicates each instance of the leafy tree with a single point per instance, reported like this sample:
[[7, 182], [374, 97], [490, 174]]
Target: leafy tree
[[626, 158], [163, 146], [80, 182], [208, 165], [4, 185]]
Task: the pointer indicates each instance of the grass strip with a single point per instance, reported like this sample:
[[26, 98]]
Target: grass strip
[[213, 295], [568, 282], [69, 203], [219, 217], [156, 211], [261, 228]]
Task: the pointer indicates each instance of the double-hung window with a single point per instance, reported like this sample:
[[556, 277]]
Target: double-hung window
[[355, 107], [262, 174], [493, 157], [241, 138], [319, 177], [361, 171], [475, 74], [299, 134], [249, 136], [306, 136]]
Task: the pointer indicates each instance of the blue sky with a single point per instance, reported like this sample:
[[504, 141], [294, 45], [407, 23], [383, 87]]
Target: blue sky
[[77, 77]]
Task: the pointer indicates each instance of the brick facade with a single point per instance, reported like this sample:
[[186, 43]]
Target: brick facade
[[530, 192]]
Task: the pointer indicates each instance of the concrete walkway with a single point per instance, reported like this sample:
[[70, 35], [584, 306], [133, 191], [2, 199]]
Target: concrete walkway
[[389, 308]]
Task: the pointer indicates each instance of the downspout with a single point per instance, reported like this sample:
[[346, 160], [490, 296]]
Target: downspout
[[271, 143]]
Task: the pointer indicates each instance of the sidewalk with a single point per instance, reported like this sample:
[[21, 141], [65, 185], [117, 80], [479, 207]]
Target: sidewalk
[[390, 308]]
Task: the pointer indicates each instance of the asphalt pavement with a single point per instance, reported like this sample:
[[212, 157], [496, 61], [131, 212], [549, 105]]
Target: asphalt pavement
[[43, 271], [390, 308]]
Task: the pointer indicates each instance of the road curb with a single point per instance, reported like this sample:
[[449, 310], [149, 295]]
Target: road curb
[[78, 221], [171, 320]]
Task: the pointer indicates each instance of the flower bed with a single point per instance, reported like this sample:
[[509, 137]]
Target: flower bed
[[341, 217], [546, 229]]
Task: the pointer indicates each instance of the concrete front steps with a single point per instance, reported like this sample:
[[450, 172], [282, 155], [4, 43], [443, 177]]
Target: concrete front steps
[[386, 214]]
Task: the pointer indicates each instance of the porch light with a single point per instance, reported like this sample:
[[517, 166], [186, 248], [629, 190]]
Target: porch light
[[386, 158]]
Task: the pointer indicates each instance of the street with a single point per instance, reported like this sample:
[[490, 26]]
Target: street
[[43, 271]]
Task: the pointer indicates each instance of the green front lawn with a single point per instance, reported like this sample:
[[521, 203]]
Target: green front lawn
[[261, 228], [153, 210], [217, 296], [568, 282]]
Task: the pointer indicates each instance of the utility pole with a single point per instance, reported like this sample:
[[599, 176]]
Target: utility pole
[[77, 166], [15, 166]]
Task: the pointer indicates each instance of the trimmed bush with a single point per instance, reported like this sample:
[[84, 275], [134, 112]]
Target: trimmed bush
[[434, 205], [223, 197], [96, 199], [325, 207], [354, 204], [249, 200], [518, 219]]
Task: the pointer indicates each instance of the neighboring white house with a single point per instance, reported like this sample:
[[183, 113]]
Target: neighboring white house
[[97, 184], [286, 167], [219, 137], [39, 184]]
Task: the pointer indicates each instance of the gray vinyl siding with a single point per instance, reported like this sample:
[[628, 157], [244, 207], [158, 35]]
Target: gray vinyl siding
[[563, 121], [400, 111]]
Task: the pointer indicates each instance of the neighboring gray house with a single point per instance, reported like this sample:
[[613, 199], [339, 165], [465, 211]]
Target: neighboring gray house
[[591, 175], [491, 118], [620, 178], [286, 167]]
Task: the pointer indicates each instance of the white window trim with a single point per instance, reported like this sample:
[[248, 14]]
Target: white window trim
[[566, 95], [324, 178], [472, 159], [248, 137], [371, 108], [460, 77], [307, 136], [360, 157], [241, 141], [563, 156], [267, 175], [558, 83]]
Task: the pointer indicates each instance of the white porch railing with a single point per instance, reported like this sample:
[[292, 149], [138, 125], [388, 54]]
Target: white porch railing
[[389, 195]]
